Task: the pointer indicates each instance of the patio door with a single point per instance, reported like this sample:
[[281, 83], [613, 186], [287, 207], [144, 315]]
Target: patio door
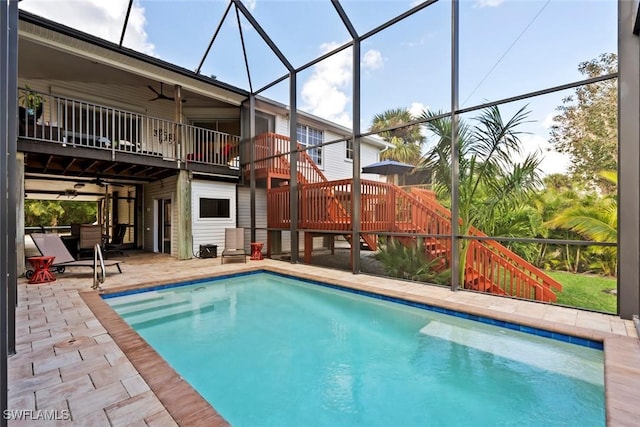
[[164, 226]]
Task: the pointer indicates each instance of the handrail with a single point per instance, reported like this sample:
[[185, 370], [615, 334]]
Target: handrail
[[97, 256], [386, 207], [78, 123], [267, 148], [511, 256]]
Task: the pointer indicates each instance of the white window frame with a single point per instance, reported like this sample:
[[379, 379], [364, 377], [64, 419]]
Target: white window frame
[[348, 150], [304, 133]]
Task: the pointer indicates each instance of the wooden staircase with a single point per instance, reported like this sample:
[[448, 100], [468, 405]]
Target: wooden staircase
[[326, 205], [308, 173]]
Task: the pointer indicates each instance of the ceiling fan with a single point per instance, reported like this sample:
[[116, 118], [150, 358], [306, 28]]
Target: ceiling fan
[[100, 182], [161, 95]]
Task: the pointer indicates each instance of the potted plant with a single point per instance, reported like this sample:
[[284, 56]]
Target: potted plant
[[31, 104]]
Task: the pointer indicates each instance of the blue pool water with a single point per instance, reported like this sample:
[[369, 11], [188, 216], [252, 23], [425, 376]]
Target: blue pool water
[[267, 350]]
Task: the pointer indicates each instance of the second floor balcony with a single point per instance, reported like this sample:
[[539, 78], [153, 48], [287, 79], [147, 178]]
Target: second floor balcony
[[80, 124]]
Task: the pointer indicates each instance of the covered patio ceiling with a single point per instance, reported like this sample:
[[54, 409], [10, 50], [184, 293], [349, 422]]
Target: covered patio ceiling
[[41, 62], [77, 189]]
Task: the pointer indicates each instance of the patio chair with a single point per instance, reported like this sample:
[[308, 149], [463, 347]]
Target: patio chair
[[52, 245], [234, 244], [90, 236], [116, 245]]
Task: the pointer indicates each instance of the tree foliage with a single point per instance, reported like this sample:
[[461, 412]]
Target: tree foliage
[[491, 180], [411, 262], [586, 126], [594, 218], [406, 141], [48, 213]]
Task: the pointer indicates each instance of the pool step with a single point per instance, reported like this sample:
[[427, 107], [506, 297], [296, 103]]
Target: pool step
[[518, 348], [166, 314], [133, 300], [152, 307]]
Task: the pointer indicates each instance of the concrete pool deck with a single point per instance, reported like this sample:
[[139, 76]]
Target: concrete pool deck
[[75, 355]]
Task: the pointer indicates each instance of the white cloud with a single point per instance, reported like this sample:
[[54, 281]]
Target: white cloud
[[327, 93], [488, 3], [100, 18], [372, 59], [417, 108], [324, 94], [552, 161], [548, 120], [251, 4]]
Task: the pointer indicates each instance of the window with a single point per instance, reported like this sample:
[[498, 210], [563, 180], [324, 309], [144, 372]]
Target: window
[[348, 154], [308, 136], [214, 208]]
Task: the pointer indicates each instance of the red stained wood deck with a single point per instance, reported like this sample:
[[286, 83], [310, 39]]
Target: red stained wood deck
[[326, 205]]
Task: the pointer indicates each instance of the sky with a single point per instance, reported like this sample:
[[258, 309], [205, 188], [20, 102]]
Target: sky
[[507, 48]]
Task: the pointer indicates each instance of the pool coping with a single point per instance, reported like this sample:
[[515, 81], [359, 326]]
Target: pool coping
[[188, 407]]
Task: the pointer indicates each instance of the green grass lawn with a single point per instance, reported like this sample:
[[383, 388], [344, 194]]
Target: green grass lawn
[[586, 291]]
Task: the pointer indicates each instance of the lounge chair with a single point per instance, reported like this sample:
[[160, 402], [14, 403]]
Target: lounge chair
[[52, 245], [234, 244]]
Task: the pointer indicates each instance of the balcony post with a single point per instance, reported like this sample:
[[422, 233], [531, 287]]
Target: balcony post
[[177, 96]]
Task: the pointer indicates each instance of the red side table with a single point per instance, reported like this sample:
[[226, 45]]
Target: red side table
[[41, 272], [256, 251]]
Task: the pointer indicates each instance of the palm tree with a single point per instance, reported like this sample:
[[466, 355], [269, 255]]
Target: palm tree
[[547, 203], [406, 141], [596, 221], [490, 180]]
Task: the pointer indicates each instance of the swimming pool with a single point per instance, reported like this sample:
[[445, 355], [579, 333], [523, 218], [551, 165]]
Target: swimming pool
[[269, 350]]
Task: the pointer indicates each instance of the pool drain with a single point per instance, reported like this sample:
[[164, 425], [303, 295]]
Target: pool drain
[[73, 342]]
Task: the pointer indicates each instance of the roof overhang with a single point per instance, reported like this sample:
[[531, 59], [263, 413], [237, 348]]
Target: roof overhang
[[269, 105], [98, 59]]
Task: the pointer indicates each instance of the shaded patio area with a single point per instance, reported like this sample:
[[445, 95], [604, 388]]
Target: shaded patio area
[[70, 351]]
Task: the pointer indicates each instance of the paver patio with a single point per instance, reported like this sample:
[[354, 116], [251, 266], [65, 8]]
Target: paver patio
[[69, 360]]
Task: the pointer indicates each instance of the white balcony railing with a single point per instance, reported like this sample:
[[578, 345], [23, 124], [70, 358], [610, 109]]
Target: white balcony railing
[[72, 122]]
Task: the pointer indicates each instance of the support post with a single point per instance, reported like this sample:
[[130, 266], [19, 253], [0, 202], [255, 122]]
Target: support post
[[252, 166], [12, 174], [180, 150], [19, 189], [293, 182], [183, 201], [356, 191], [8, 197], [628, 161], [456, 262]]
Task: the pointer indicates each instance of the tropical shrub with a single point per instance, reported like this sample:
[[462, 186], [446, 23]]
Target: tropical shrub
[[412, 262]]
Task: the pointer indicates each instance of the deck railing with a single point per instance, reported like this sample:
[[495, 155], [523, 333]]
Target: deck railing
[[498, 263], [385, 207], [268, 154], [78, 123]]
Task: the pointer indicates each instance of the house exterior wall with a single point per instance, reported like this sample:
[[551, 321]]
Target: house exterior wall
[[211, 230], [244, 213], [163, 189], [335, 163]]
